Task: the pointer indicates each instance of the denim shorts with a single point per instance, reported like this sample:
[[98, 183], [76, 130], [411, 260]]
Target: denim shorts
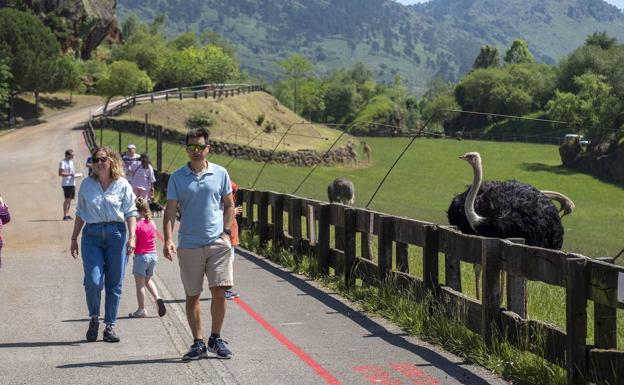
[[144, 264]]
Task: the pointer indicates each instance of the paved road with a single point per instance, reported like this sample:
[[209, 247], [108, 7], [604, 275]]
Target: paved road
[[284, 329]]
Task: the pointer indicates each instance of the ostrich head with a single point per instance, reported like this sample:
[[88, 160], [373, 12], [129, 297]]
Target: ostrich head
[[474, 159]]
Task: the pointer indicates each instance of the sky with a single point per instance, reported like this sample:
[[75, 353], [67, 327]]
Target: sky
[[617, 3]]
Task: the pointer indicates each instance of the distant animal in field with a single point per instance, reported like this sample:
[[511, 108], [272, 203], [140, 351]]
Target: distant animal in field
[[367, 151], [341, 190], [508, 209], [156, 208]]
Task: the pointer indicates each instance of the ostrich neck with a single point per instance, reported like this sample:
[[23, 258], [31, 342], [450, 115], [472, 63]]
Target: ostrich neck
[[473, 218]]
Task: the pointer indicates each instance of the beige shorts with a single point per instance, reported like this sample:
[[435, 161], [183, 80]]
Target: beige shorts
[[214, 261]]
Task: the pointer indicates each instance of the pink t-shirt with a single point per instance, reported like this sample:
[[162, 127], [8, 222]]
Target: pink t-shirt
[[145, 236]]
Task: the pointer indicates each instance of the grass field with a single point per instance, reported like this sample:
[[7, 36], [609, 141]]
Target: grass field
[[423, 183]]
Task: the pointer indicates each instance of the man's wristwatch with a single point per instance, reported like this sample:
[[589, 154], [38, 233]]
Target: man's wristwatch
[[228, 232]]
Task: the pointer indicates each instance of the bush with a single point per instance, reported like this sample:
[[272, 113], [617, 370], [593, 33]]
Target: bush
[[200, 120], [260, 120], [270, 127]]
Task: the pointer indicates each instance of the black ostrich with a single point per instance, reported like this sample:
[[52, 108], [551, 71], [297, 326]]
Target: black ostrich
[[341, 190], [508, 209]]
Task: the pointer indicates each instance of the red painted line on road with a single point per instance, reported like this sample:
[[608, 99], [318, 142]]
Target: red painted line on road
[[415, 375], [328, 377], [376, 375]]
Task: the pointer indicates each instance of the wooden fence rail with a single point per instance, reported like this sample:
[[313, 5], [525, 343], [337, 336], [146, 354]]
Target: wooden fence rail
[[583, 279]]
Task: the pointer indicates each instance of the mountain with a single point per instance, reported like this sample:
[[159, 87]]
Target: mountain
[[417, 42]]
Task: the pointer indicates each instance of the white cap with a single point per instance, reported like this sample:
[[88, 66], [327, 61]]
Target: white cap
[[131, 146]]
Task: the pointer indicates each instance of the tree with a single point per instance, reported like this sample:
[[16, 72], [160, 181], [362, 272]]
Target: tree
[[70, 74], [130, 26], [297, 68], [5, 80], [519, 53], [601, 39], [184, 40], [593, 107], [488, 57], [123, 78], [32, 52]]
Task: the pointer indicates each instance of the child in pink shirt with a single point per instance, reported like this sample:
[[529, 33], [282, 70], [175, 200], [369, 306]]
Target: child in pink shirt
[[145, 258], [5, 217]]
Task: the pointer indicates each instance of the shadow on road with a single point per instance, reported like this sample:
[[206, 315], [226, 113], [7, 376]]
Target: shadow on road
[[110, 364], [41, 344], [452, 369]]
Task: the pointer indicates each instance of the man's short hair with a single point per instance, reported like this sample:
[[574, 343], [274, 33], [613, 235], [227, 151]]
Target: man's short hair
[[197, 133], [69, 152]]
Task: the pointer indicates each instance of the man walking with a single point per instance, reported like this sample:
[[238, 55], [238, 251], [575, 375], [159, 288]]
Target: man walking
[[130, 159], [67, 172], [199, 188]]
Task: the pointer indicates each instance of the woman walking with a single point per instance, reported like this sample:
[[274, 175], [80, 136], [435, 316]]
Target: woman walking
[[105, 202], [141, 177]]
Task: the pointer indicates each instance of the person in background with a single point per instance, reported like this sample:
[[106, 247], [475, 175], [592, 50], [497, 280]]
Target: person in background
[[141, 177], [145, 259], [89, 165], [67, 172], [105, 202], [130, 158], [238, 210], [204, 249], [5, 217]]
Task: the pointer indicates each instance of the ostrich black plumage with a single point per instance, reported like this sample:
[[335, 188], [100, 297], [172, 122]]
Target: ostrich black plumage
[[508, 209]]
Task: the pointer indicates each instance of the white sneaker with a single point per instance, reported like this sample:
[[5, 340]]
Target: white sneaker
[[139, 313]]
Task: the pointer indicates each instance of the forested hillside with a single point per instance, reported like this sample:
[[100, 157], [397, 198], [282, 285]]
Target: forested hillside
[[439, 37]]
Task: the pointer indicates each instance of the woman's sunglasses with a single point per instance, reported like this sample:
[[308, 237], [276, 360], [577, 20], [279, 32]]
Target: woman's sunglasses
[[196, 147], [98, 160]]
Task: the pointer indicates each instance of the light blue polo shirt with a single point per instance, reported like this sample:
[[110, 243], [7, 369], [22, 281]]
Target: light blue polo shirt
[[199, 198]]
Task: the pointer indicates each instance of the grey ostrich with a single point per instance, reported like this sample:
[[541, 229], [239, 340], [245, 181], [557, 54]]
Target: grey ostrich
[[505, 209]]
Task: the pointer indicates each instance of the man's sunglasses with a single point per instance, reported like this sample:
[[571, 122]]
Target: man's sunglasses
[[196, 147], [98, 160]]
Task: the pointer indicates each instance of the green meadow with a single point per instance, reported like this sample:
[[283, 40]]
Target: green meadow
[[423, 182]]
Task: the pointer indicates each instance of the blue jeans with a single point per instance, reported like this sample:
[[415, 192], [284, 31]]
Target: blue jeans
[[104, 262]]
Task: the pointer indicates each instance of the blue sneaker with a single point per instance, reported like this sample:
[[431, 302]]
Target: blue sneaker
[[229, 294], [218, 346], [197, 351]]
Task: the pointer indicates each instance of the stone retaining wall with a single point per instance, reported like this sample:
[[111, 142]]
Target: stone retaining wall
[[304, 158]]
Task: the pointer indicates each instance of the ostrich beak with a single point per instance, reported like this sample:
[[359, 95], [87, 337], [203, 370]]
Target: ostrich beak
[[463, 157]]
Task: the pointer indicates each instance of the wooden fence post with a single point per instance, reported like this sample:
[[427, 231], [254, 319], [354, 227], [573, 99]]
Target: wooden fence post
[[159, 152], [294, 225], [146, 134], [402, 263], [576, 320], [323, 239], [452, 272], [366, 238], [278, 220], [249, 219], [517, 290], [605, 326], [385, 246], [431, 269], [349, 237], [263, 217], [490, 315], [605, 323], [119, 138]]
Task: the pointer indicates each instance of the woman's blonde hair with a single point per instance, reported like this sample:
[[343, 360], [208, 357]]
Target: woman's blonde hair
[[116, 170], [143, 207]]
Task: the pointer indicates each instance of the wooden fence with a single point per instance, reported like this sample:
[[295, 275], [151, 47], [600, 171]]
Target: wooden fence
[[583, 279]]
